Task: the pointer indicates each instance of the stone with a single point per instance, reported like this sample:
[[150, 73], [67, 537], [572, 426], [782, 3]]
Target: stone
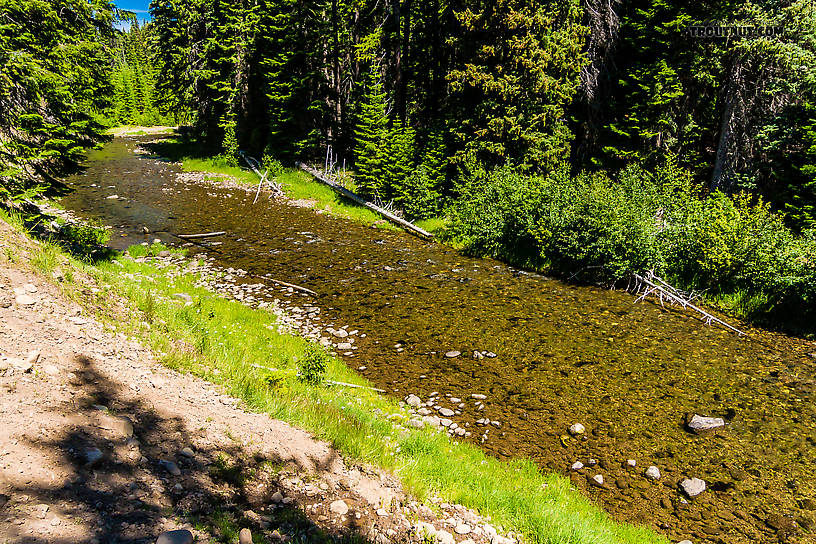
[[631, 462], [245, 536], [25, 300], [30, 288], [701, 424], [187, 452], [463, 529], [577, 465], [277, 497], [51, 370], [577, 429], [170, 467], [478, 396], [444, 537], [597, 480], [693, 486], [122, 425], [344, 346], [382, 512], [685, 542], [93, 456], [425, 529], [452, 354], [340, 333], [415, 423], [445, 422], [413, 401], [339, 507], [446, 412], [653, 473], [180, 536]]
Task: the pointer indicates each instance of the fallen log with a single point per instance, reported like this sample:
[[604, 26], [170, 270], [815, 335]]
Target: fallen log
[[202, 235], [654, 284], [292, 285], [363, 202]]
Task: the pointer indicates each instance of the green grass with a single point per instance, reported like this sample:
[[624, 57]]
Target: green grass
[[296, 184], [220, 340]]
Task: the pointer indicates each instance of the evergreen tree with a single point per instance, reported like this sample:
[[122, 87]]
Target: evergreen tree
[[372, 137]]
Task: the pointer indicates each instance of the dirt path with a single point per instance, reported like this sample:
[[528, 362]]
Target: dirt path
[[100, 443]]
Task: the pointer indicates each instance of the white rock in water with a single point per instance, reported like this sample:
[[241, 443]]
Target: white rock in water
[[478, 396], [577, 465], [445, 422], [653, 473], [631, 462], [685, 542], [598, 479], [446, 412], [413, 401], [576, 429], [701, 423], [693, 486], [451, 355]]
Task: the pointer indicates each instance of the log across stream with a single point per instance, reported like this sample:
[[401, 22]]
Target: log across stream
[[630, 373]]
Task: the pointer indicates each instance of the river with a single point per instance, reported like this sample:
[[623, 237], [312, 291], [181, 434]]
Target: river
[[630, 372]]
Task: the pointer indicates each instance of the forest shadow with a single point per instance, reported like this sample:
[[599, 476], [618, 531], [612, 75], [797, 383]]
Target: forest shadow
[[129, 494]]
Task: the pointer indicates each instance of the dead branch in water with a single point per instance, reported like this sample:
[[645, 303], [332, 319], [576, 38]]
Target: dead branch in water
[[196, 236], [651, 284], [255, 166]]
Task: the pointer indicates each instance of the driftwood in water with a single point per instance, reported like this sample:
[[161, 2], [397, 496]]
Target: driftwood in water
[[363, 202], [254, 165], [651, 284], [293, 286], [197, 236]]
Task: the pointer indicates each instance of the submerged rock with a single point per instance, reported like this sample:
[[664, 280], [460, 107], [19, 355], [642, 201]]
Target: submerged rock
[[577, 429], [653, 473], [701, 424], [693, 486]]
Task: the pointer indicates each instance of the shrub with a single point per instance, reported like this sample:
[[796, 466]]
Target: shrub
[[313, 365]]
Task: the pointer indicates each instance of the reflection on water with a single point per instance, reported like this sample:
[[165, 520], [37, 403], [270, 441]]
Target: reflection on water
[[629, 372]]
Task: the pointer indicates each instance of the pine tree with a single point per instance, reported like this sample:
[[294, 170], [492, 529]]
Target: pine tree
[[371, 134]]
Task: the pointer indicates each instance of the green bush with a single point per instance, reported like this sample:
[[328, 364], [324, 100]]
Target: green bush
[[85, 237], [599, 228], [313, 366]]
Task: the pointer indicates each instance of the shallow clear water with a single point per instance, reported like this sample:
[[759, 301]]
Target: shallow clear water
[[630, 372]]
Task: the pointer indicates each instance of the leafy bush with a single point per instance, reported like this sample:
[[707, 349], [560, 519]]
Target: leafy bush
[[85, 237], [313, 365], [601, 228]]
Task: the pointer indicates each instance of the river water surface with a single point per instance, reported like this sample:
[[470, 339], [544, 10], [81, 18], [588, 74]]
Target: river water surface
[[630, 372]]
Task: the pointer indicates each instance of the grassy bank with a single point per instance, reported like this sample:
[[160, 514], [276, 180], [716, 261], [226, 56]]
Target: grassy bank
[[296, 184], [221, 340]]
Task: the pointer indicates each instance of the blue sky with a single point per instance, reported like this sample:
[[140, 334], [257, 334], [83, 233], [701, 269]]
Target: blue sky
[[139, 7]]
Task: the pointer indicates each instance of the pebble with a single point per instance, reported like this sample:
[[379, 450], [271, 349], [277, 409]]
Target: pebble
[[424, 529], [277, 497], [30, 288], [245, 536], [170, 467], [382, 512], [463, 529], [344, 346], [631, 462], [446, 412], [25, 300], [415, 423], [693, 486], [444, 537], [478, 396], [187, 452], [598, 480], [685, 542], [93, 456], [700, 424], [339, 507], [576, 429], [413, 401], [577, 465], [653, 473], [445, 422], [181, 536], [340, 333], [453, 353], [51, 370]]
